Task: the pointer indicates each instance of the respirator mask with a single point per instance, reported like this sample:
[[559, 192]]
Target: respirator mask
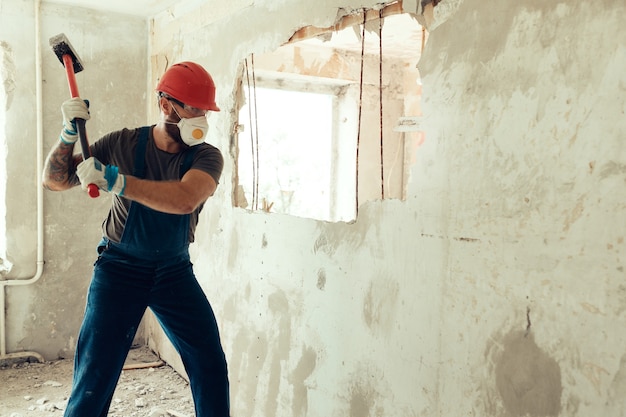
[[192, 130]]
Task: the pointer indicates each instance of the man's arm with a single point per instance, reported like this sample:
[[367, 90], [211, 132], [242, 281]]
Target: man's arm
[[174, 197], [59, 171]]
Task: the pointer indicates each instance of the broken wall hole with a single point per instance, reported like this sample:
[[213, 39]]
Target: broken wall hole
[[321, 122]]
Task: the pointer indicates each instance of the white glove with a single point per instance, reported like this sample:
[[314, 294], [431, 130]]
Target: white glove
[[107, 177], [74, 108]]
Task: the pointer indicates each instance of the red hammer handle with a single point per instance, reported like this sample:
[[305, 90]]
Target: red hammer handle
[[92, 189], [68, 63]]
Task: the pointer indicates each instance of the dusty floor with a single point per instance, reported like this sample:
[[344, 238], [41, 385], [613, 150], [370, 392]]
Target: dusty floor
[[41, 389]]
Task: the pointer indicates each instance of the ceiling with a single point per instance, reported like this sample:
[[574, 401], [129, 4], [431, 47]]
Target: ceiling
[[142, 8]]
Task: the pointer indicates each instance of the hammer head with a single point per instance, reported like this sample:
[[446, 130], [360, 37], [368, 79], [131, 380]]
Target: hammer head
[[62, 46]]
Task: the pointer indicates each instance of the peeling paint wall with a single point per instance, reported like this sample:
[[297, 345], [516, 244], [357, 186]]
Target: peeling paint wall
[[496, 289]]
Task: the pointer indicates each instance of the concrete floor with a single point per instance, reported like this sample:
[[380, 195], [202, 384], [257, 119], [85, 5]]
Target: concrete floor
[[41, 389]]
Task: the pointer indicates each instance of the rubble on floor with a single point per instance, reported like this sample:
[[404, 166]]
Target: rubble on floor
[[149, 389]]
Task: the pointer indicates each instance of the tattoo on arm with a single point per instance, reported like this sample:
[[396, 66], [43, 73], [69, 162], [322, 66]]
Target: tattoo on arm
[[61, 165]]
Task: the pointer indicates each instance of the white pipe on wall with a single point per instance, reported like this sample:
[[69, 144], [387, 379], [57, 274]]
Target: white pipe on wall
[[39, 162]]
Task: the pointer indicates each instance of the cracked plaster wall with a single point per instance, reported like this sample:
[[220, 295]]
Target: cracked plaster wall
[[496, 289], [525, 110]]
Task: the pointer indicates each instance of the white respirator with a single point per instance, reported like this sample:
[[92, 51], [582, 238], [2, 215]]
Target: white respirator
[[193, 130]]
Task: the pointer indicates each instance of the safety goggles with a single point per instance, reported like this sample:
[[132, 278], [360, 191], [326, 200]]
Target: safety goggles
[[194, 111]]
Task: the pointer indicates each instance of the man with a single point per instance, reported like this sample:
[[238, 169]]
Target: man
[[159, 177]]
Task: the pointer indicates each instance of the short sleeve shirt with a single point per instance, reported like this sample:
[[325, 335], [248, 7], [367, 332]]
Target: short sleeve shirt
[[118, 148]]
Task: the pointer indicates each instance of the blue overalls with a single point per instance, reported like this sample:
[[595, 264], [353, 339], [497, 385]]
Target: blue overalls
[[150, 267]]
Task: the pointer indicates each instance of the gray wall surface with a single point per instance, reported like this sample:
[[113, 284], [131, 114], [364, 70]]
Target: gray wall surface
[[497, 287], [45, 316]]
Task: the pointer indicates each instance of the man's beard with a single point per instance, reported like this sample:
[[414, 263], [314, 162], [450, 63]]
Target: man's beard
[[174, 132]]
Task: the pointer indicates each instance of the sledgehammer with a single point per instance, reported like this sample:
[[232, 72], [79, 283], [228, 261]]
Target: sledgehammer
[[70, 60]]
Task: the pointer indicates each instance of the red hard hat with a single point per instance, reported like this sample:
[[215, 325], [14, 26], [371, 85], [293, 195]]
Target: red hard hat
[[191, 84]]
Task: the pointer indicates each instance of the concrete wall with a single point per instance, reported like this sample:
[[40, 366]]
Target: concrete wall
[[45, 316], [496, 289], [525, 150]]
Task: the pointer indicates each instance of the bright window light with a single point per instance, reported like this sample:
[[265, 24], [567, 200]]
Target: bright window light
[[291, 158]]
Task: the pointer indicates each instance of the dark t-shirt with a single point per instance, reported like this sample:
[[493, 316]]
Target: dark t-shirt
[[118, 148]]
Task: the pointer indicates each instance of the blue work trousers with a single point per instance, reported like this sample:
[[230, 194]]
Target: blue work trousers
[[122, 288]]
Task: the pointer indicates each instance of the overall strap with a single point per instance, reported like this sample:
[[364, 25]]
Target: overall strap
[[140, 152]]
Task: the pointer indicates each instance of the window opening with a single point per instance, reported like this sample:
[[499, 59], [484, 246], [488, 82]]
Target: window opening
[[285, 163], [254, 135], [369, 118]]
